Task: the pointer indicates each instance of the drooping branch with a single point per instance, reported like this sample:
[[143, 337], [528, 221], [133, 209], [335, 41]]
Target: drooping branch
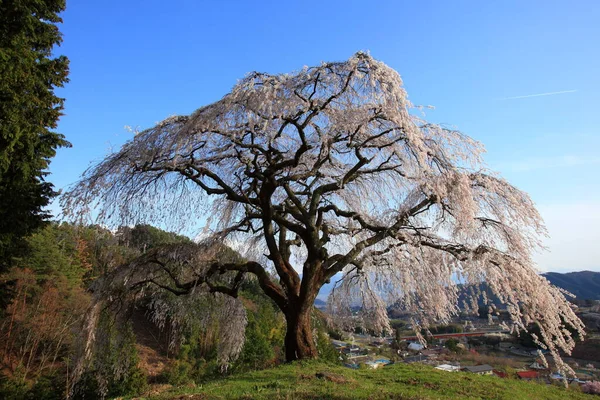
[[329, 171], [183, 268], [178, 285]]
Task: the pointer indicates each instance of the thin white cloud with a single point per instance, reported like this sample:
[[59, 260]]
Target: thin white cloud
[[538, 95]]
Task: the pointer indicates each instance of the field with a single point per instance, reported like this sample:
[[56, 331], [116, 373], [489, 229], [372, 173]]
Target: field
[[400, 381]]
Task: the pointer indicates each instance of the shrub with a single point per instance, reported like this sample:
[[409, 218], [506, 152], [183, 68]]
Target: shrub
[[48, 388], [452, 345], [177, 372], [591, 387], [336, 335], [326, 350], [12, 388]]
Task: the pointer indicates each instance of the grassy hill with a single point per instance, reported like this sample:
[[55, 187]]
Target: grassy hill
[[400, 381]]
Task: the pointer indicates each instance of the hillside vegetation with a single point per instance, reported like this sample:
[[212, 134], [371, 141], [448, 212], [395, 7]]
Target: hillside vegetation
[[399, 381], [47, 300]]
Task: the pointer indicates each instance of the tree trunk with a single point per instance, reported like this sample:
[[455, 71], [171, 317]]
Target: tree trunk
[[299, 342]]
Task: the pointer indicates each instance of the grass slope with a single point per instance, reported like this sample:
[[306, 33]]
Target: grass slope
[[400, 381]]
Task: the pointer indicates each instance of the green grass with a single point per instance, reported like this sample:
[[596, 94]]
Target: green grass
[[298, 381]]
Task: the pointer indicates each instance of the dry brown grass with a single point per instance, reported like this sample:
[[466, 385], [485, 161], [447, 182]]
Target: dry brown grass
[[496, 361]]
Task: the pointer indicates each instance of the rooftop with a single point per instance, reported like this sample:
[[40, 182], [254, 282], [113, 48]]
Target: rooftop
[[527, 374], [478, 368], [448, 367]]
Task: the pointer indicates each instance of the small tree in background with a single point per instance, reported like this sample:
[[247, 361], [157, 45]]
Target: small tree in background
[[452, 345], [327, 170]]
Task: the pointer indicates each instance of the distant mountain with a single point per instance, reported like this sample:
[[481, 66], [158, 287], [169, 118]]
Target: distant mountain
[[320, 303], [583, 284], [326, 288]]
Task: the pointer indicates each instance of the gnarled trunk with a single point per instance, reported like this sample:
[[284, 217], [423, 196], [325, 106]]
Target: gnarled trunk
[[299, 338], [299, 341]]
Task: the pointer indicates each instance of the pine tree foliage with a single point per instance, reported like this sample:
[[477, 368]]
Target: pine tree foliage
[[29, 111]]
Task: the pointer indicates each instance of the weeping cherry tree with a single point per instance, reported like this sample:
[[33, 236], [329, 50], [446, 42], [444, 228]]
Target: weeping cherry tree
[[329, 174]]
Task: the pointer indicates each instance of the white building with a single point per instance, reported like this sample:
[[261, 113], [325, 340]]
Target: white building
[[415, 346], [448, 367]]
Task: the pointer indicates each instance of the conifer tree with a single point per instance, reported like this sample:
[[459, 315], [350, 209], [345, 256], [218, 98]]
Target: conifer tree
[[29, 111]]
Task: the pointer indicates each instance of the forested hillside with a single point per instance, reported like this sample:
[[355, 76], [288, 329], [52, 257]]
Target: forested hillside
[[48, 299]]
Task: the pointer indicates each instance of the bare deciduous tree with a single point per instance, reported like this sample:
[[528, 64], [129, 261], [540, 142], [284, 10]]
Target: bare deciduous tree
[[328, 169]]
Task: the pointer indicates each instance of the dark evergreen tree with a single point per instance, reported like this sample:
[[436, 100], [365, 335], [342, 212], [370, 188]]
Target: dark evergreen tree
[[29, 112]]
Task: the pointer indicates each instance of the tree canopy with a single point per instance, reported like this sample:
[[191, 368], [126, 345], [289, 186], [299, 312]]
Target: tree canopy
[[29, 111], [329, 173]]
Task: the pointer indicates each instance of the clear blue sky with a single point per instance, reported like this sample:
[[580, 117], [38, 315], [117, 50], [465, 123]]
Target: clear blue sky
[[136, 62]]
